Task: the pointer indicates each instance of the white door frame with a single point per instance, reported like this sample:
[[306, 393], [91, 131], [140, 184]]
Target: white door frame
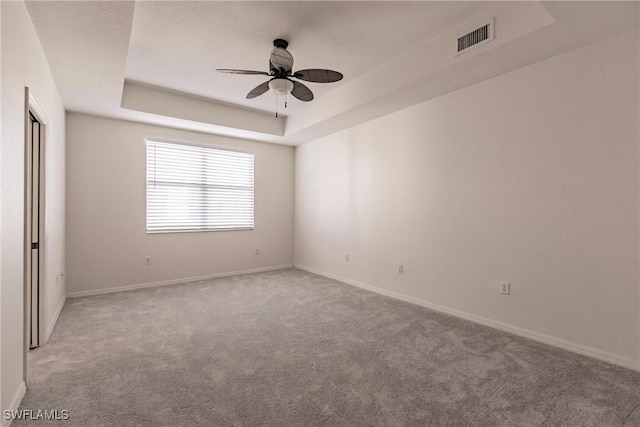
[[33, 108]]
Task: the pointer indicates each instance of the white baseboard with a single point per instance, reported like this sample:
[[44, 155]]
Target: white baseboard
[[15, 403], [526, 333], [54, 320], [175, 281]]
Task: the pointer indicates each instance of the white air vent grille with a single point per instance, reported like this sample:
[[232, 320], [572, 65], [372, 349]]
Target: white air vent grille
[[479, 35]]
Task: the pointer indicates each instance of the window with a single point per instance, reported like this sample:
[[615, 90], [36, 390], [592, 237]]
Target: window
[[192, 188]]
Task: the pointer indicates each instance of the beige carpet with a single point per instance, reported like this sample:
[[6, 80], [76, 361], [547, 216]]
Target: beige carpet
[[289, 348]]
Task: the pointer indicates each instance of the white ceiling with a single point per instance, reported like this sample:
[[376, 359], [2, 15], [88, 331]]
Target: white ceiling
[[393, 54]]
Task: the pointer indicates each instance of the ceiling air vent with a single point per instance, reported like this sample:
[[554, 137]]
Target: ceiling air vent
[[480, 35]]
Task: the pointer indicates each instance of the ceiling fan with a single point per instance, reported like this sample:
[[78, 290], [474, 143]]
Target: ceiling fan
[[281, 73]]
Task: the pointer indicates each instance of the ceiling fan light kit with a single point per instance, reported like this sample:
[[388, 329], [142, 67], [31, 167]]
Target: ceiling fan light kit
[[281, 86], [281, 72]]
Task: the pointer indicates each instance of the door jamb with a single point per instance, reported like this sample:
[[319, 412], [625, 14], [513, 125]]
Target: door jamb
[[33, 107]]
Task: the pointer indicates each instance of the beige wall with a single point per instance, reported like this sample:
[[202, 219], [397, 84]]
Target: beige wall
[[106, 224], [531, 177], [24, 64]]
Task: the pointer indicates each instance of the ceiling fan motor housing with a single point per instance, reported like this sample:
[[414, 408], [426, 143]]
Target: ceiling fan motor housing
[[281, 60]]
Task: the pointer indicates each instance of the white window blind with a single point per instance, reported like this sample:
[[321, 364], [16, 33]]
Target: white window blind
[[191, 188]]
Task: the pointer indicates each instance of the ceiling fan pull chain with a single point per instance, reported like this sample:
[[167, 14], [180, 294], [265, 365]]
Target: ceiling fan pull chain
[[276, 106]]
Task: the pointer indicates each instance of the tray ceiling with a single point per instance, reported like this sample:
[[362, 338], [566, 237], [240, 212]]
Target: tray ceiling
[[155, 61]]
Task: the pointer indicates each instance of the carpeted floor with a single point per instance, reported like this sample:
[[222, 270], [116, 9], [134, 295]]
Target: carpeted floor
[[289, 348]]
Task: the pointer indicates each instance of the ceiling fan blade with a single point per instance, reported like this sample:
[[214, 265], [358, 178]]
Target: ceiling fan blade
[[318, 75], [231, 71], [301, 92], [258, 90]]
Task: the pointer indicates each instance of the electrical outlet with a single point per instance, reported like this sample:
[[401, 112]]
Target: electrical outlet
[[400, 269], [147, 260], [346, 257], [505, 288], [257, 252]]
